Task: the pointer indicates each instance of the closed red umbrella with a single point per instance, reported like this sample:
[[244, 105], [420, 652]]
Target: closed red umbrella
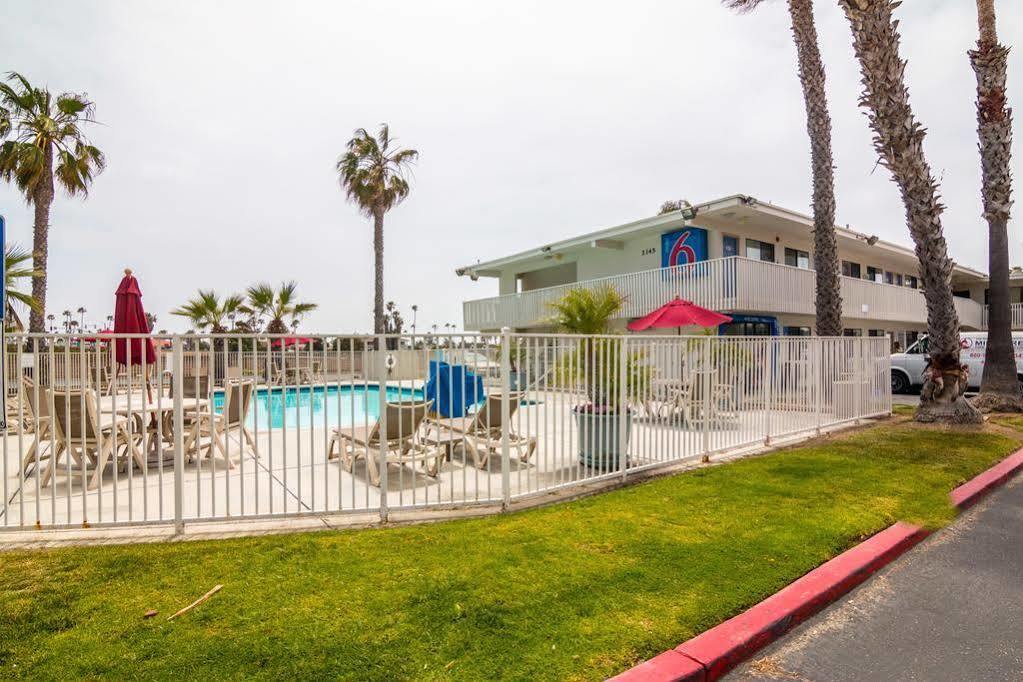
[[130, 318], [679, 313]]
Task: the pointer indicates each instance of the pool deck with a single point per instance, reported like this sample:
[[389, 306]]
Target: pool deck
[[291, 475]]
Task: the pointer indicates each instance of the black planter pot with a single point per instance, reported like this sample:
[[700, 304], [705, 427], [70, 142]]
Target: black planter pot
[[599, 445]]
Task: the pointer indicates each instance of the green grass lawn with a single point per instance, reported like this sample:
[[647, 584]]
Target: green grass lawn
[[578, 590]]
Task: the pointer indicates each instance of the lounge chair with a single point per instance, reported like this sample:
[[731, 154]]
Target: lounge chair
[[39, 416], [401, 441], [204, 423], [78, 431], [481, 431]]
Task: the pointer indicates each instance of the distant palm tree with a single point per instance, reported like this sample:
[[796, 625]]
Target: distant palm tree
[[50, 318], [373, 175], [898, 141], [17, 268], [818, 127], [207, 311], [999, 386], [48, 143], [67, 321], [81, 314], [276, 305]]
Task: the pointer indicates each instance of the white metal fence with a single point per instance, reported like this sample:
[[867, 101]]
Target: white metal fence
[[237, 427]]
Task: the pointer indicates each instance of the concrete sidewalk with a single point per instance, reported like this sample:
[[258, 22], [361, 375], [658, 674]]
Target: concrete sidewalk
[[951, 609]]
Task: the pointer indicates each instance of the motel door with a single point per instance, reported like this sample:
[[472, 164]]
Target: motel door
[[729, 247]]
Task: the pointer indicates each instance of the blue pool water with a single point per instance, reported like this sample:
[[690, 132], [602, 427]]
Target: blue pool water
[[305, 406]]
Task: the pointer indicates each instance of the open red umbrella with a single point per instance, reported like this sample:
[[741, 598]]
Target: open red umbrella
[[291, 341], [130, 318], [678, 313]]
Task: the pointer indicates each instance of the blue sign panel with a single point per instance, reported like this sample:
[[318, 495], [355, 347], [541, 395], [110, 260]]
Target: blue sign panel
[[3, 268], [683, 247]]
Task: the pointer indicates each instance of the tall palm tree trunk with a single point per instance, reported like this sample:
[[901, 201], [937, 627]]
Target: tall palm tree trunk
[[999, 390], [818, 126], [898, 140], [378, 288], [42, 199]]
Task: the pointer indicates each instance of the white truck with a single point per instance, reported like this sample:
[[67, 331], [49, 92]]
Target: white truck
[[908, 367]]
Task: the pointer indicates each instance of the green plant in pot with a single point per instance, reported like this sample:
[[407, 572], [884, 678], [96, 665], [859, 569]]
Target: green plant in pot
[[596, 365]]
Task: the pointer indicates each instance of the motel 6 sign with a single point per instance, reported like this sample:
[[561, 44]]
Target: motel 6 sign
[[683, 247]]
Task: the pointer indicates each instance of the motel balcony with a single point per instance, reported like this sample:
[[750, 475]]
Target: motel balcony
[[732, 285]]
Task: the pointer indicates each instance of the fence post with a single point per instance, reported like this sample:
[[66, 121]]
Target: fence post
[[769, 390], [505, 417], [818, 383], [859, 377], [178, 389], [623, 408], [707, 406], [381, 370]]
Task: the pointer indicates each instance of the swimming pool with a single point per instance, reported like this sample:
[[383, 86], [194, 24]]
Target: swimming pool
[[304, 406]]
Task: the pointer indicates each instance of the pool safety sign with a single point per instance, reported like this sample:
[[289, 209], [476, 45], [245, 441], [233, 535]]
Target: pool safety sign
[[683, 247]]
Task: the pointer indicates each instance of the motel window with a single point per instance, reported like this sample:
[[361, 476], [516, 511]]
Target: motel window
[[757, 250], [962, 293], [852, 332], [874, 274], [797, 258], [911, 281], [898, 279], [889, 278], [850, 269], [875, 332], [797, 331]]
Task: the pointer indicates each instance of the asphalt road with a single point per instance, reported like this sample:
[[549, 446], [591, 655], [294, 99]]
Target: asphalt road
[[950, 609]]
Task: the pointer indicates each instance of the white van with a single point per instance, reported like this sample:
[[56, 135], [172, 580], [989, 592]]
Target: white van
[[908, 367]]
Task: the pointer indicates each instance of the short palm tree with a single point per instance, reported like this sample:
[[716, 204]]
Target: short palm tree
[[206, 311], [999, 387], [818, 127], [898, 140], [374, 177], [81, 314], [586, 311], [47, 143], [276, 305], [17, 267]]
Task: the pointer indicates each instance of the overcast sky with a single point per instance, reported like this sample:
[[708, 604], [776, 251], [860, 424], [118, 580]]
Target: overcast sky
[[535, 121]]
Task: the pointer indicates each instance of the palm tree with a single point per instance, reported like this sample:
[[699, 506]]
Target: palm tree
[[207, 311], [373, 175], [898, 140], [276, 304], [16, 269], [999, 388], [48, 143], [81, 314], [50, 318], [67, 321], [818, 127]]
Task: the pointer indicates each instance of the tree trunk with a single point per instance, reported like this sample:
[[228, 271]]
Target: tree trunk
[[999, 389], [378, 286], [898, 140], [42, 199], [818, 127]]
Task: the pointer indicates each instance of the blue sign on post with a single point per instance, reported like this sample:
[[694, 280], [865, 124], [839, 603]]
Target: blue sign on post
[[683, 247], [3, 329]]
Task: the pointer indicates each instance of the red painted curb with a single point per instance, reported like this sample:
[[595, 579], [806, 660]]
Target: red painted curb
[[722, 647], [671, 666], [969, 493]]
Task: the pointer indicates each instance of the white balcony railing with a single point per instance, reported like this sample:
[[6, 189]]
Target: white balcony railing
[[1016, 313], [725, 284]]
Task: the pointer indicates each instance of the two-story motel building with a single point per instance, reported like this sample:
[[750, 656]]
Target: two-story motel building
[[748, 258]]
